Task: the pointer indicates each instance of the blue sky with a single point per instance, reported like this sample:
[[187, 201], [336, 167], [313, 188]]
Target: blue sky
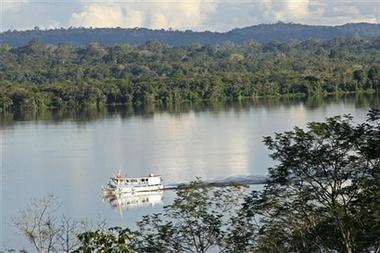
[[213, 15]]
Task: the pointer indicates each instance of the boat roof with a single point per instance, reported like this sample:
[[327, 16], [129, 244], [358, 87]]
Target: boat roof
[[119, 176]]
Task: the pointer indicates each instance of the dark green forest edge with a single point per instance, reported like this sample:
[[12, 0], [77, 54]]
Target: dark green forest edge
[[322, 195], [39, 76]]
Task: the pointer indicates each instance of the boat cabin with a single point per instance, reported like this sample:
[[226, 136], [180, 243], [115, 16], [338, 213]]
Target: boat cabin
[[149, 180]]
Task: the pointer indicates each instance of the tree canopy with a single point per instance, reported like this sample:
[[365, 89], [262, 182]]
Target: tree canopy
[[323, 192], [136, 36], [38, 76]]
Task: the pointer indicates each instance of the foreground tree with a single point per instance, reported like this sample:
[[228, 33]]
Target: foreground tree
[[40, 224], [111, 240], [198, 221], [323, 194]]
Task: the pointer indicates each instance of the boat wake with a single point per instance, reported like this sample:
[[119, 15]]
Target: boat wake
[[244, 180]]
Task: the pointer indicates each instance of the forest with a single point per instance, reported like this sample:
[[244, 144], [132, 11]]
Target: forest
[[42, 76], [261, 33]]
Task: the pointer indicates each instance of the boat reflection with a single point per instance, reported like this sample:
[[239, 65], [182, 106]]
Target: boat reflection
[[135, 200]]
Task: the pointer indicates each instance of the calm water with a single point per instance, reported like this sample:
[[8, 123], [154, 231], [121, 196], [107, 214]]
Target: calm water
[[72, 154]]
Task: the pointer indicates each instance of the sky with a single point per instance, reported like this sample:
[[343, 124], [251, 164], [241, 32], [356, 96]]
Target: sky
[[198, 15]]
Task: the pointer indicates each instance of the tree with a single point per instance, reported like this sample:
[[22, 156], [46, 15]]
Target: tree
[[374, 76], [153, 73], [113, 240], [69, 230], [38, 223], [5, 103], [322, 195], [198, 221]]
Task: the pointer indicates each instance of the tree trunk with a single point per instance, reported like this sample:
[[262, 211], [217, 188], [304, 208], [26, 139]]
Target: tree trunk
[[346, 236]]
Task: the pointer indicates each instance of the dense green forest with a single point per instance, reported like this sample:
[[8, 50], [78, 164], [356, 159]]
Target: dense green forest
[[39, 76], [262, 33]]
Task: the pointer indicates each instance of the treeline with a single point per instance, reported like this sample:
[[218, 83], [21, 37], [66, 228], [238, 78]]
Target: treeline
[[41, 76], [261, 33], [322, 195]]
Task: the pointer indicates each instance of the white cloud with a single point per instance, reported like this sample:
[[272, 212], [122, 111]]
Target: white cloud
[[293, 9], [159, 14], [106, 15], [12, 5], [274, 9], [348, 11], [220, 15]]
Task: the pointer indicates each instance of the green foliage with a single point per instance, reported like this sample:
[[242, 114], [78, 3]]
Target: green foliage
[[323, 192], [261, 33], [199, 220], [113, 240], [38, 76]]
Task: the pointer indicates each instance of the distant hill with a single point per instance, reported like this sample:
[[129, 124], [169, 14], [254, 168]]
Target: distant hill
[[136, 36]]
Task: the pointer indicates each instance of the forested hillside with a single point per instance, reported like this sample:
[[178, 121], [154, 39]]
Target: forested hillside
[[260, 33], [64, 76]]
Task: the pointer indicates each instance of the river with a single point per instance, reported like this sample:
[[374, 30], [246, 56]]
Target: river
[[71, 155]]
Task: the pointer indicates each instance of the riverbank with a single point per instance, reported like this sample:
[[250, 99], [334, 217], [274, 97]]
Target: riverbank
[[125, 111]]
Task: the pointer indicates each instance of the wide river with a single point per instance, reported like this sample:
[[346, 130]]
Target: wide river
[[71, 155]]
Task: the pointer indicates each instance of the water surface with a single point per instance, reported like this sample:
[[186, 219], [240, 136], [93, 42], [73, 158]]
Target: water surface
[[72, 154]]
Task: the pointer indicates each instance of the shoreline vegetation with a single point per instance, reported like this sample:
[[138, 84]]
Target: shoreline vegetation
[[322, 195], [40, 77], [84, 115]]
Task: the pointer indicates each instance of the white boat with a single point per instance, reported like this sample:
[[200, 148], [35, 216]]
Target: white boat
[[120, 184]]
